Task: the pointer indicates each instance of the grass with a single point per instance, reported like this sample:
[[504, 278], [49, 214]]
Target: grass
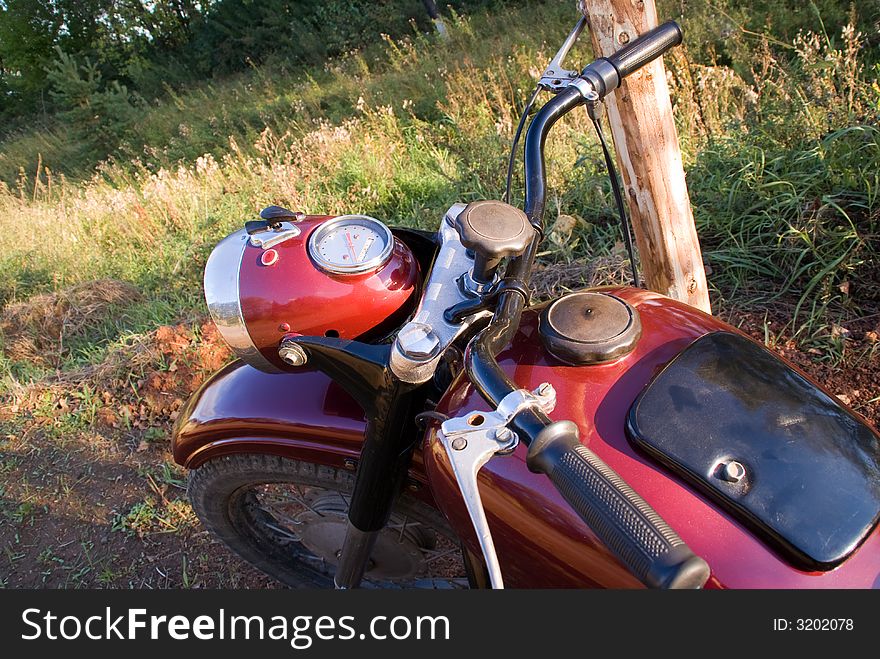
[[100, 263], [784, 190], [148, 516], [417, 141]]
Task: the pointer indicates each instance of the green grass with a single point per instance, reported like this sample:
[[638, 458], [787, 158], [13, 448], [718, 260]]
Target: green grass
[[148, 516], [804, 218], [783, 178]]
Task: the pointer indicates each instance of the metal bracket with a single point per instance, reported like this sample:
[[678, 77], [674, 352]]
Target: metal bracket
[[428, 324], [594, 102], [472, 440], [274, 236], [556, 77]]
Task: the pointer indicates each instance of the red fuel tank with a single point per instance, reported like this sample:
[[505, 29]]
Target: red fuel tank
[[345, 276], [541, 541]]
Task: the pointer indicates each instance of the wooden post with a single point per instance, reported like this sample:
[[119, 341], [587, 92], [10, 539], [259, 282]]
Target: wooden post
[[646, 141]]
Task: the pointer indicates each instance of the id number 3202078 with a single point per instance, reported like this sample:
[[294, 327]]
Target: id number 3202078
[[813, 624]]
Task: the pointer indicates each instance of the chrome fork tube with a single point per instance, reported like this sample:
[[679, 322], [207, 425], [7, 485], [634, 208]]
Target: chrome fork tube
[[355, 557]]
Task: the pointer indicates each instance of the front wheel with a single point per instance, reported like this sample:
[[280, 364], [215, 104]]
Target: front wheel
[[288, 518]]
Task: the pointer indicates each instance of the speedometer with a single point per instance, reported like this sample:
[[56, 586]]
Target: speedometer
[[351, 244]]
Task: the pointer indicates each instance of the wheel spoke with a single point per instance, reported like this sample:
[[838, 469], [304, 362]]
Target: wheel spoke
[[408, 523], [300, 499], [281, 517], [433, 555], [290, 508], [282, 531]]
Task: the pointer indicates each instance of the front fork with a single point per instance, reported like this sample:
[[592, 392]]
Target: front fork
[[385, 458], [390, 405], [388, 399]]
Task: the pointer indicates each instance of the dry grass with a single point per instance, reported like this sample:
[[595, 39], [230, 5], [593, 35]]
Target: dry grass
[[37, 329], [138, 384], [781, 178], [779, 196], [553, 280]]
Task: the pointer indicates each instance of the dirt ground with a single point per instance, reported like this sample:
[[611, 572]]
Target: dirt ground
[[90, 496], [89, 493]]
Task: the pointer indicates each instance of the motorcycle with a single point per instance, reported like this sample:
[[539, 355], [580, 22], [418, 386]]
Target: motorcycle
[[401, 415]]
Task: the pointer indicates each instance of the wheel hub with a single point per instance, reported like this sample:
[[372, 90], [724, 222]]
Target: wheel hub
[[321, 524]]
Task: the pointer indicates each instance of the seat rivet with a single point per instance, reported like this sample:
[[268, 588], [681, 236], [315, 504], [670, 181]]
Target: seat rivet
[[733, 471]]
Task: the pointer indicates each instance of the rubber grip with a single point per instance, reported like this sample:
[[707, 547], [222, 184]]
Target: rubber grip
[[620, 518], [648, 47]]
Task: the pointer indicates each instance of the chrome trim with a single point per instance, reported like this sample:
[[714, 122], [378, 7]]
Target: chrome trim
[[471, 440], [291, 353], [222, 272], [468, 451], [417, 341], [474, 288], [441, 291], [586, 89], [272, 237], [356, 550], [365, 220], [556, 77]]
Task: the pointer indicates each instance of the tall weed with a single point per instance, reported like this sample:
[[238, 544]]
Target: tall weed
[[782, 156]]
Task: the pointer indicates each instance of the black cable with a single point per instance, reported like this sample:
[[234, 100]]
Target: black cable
[[618, 198], [490, 380], [519, 129], [422, 418]]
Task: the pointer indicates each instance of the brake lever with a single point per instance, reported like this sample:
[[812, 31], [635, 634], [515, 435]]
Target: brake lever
[[471, 441], [556, 77]]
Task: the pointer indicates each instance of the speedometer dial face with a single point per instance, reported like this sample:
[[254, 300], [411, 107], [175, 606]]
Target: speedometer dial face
[[351, 244]]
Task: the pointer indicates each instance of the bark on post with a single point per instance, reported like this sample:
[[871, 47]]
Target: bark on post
[[646, 141]]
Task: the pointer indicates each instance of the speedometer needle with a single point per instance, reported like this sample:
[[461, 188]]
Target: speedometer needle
[[366, 248], [350, 246]]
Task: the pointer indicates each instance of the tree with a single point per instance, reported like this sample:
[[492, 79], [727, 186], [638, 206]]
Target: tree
[[111, 33], [28, 30]]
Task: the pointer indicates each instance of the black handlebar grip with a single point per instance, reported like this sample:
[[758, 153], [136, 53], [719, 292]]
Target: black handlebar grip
[[649, 46], [606, 73], [614, 511]]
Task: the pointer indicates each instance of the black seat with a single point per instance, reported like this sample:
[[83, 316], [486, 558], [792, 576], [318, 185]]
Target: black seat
[[766, 444]]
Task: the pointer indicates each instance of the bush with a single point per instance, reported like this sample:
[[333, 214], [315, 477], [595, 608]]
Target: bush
[[784, 180], [98, 113]]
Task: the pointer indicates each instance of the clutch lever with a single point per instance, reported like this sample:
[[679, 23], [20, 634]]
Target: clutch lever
[[472, 440], [556, 77]]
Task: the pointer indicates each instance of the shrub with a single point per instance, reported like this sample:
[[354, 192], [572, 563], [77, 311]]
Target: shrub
[[99, 113]]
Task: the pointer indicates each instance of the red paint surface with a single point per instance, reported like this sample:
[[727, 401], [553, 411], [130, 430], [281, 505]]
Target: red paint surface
[[312, 302], [541, 541], [301, 415]]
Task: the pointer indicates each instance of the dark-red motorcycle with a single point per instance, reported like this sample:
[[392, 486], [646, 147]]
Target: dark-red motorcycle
[[401, 415]]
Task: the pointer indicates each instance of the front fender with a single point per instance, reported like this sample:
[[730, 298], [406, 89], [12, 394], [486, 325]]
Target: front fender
[[301, 414]]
